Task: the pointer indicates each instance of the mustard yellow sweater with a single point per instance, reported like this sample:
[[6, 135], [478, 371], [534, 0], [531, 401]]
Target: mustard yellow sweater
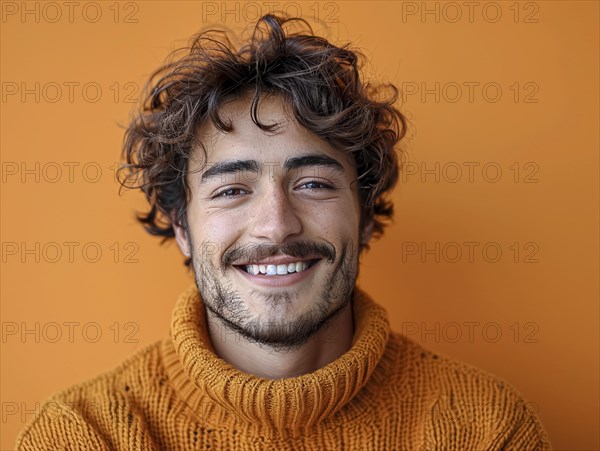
[[385, 393]]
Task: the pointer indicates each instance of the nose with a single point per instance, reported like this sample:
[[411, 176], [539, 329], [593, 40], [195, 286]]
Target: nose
[[275, 219]]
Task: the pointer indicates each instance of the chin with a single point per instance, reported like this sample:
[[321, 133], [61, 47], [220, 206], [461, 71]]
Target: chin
[[283, 305]]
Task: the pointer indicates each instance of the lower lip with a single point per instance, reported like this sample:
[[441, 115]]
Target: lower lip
[[278, 281]]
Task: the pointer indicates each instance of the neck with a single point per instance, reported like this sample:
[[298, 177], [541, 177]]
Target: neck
[[326, 345]]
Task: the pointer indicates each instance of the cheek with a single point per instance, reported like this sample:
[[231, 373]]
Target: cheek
[[214, 233], [335, 220]]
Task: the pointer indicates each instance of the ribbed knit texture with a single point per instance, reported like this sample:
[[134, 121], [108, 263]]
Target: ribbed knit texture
[[386, 393]]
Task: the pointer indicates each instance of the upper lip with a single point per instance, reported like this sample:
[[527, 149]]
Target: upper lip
[[277, 260]]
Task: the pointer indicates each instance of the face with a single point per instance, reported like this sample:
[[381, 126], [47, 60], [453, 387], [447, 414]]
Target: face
[[273, 226]]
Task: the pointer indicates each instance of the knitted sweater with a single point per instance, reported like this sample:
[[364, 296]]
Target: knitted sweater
[[385, 393]]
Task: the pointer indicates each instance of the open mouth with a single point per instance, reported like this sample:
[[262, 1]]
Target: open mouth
[[278, 270]]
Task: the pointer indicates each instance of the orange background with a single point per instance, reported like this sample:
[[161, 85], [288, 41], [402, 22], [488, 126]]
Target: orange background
[[531, 317]]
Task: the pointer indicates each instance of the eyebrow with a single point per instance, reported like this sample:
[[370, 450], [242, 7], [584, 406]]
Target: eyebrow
[[235, 166], [313, 160], [230, 167]]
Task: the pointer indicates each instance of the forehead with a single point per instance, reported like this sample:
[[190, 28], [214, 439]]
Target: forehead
[[247, 141]]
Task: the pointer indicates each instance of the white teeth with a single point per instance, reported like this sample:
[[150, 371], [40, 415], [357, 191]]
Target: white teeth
[[272, 270], [252, 269], [281, 269]]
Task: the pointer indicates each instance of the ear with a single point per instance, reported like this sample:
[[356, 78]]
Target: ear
[[367, 233], [181, 236]]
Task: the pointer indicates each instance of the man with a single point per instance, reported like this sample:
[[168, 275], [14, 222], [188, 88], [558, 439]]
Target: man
[[269, 165]]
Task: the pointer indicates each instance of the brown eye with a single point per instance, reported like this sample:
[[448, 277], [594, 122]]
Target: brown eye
[[314, 185], [229, 192]]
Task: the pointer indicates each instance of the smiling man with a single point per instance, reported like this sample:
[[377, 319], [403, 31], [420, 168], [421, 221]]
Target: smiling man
[[284, 209], [269, 165]]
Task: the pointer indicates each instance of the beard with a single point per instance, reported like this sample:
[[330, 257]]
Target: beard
[[278, 331]]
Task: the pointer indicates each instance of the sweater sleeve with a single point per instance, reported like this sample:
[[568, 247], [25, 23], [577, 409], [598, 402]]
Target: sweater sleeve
[[528, 433], [484, 413], [60, 427]]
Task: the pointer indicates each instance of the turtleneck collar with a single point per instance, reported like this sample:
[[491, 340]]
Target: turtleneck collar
[[207, 382]]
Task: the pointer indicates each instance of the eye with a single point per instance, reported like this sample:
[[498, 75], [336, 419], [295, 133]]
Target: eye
[[315, 185], [229, 193]]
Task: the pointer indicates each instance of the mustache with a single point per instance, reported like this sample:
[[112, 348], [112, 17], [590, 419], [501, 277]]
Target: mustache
[[298, 249]]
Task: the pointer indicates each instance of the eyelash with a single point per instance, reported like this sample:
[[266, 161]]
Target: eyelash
[[323, 186], [221, 193]]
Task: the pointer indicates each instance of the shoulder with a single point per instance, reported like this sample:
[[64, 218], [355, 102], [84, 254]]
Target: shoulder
[[473, 405], [84, 415]]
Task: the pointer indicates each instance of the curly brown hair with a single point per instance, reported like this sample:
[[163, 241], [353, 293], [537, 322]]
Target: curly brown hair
[[320, 82]]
